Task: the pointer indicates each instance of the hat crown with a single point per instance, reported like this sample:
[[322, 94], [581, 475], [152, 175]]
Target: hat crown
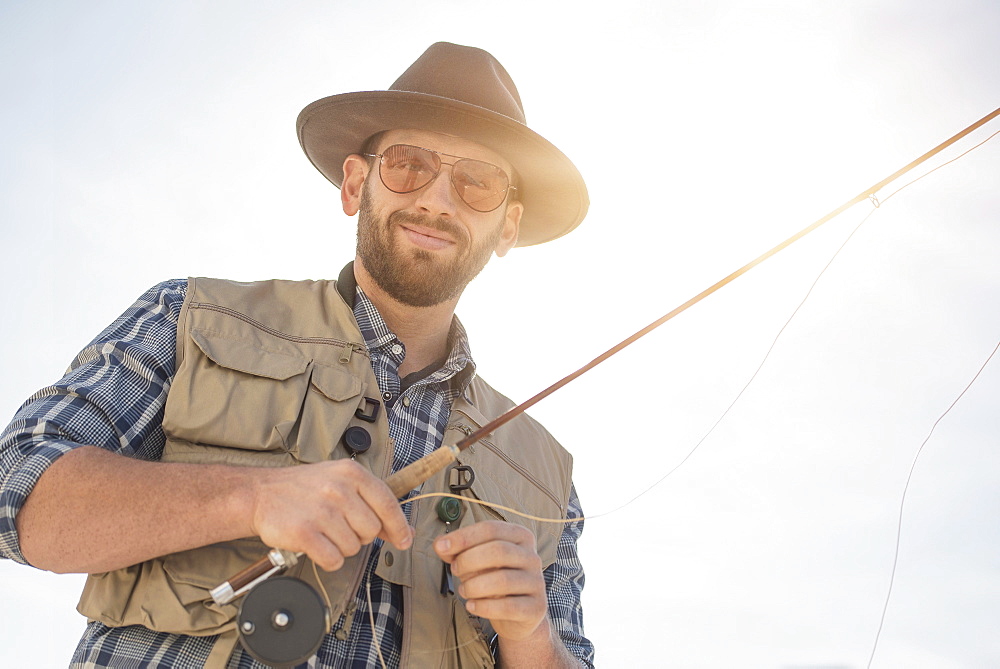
[[465, 74]]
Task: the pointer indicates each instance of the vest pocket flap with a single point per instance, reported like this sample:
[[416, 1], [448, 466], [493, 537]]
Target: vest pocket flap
[[208, 566], [243, 357], [335, 383]]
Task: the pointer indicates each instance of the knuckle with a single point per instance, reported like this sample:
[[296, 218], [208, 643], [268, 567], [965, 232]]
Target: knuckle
[[366, 536], [301, 535], [332, 562], [350, 546]]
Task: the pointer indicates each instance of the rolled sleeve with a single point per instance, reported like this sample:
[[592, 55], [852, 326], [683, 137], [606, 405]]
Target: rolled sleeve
[[112, 396], [564, 580]]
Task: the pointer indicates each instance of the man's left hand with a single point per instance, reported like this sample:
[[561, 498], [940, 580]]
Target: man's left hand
[[500, 573]]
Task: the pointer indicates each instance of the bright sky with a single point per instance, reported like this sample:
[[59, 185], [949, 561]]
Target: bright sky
[[145, 141]]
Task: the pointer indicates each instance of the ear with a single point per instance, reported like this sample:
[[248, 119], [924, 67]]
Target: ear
[[355, 173], [511, 227]]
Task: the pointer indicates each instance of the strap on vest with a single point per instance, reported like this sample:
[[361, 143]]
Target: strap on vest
[[223, 648]]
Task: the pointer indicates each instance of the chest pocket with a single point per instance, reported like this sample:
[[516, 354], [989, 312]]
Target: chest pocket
[[254, 401]]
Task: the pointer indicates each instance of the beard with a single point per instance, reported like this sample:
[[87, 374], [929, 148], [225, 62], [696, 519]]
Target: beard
[[414, 276]]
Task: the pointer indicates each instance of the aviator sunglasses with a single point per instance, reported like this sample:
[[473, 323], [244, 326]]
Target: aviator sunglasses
[[404, 169]]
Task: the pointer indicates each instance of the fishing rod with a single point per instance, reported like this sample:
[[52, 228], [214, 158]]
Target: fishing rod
[[415, 474]]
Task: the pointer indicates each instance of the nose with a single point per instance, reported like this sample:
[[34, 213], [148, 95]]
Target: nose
[[438, 198]]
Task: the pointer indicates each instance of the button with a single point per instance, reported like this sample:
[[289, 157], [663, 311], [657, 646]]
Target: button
[[406, 401], [388, 559], [387, 396], [396, 349]]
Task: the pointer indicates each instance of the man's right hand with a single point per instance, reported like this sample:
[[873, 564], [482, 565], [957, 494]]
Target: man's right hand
[[328, 510], [95, 511]]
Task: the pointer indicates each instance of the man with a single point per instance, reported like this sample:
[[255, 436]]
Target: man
[[213, 388]]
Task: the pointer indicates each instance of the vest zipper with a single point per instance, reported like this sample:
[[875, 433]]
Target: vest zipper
[[352, 591], [344, 633], [357, 348], [466, 430]]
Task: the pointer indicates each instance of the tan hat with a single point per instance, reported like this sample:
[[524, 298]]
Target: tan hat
[[461, 91]]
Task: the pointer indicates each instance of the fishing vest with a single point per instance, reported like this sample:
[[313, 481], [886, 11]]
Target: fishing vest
[[271, 374]]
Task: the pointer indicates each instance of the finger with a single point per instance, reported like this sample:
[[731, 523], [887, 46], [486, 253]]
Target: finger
[[449, 545], [499, 583], [493, 556], [383, 503], [412, 530], [320, 550], [360, 517], [341, 534], [514, 609]]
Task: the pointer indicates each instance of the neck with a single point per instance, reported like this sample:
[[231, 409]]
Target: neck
[[423, 330]]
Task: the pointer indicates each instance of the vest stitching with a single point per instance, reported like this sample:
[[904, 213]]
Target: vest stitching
[[277, 333], [511, 463]]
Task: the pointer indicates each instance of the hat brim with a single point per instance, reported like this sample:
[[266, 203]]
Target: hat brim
[[549, 186]]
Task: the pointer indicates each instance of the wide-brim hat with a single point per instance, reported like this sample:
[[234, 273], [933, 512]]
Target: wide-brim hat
[[460, 91]]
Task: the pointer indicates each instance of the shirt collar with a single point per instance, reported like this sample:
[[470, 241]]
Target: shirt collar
[[458, 368]]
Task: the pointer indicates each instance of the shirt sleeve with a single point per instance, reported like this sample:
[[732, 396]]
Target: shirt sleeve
[[112, 396], [564, 581]]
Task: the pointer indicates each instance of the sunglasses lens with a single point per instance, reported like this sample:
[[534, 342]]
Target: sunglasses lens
[[481, 185], [405, 169]]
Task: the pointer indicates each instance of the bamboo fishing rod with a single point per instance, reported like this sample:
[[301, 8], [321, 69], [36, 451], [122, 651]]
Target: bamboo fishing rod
[[415, 474]]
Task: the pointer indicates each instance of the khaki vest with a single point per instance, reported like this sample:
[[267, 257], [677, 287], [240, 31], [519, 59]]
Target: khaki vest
[[272, 374]]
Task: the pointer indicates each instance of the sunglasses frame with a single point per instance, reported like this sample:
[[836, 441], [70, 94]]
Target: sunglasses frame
[[381, 162]]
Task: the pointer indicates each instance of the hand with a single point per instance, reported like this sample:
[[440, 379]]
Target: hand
[[500, 573], [327, 510]]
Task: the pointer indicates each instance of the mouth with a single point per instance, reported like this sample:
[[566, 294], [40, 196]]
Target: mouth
[[430, 239]]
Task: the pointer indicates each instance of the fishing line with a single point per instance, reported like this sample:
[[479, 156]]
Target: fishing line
[[929, 172], [499, 507], [423, 468], [906, 487], [876, 205], [371, 619]]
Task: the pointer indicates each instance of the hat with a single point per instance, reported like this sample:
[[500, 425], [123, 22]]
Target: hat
[[461, 91]]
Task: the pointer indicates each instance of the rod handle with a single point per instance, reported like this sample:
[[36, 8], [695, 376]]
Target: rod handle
[[413, 475], [406, 479]]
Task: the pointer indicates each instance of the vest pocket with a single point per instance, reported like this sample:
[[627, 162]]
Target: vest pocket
[[171, 593], [332, 398], [233, 394], [236, 395]]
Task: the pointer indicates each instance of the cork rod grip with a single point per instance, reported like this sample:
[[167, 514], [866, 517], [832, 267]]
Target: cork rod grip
[[413, 475]]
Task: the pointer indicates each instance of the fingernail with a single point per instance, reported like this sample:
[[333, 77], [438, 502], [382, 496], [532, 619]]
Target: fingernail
[[443, 544], [470, 607]]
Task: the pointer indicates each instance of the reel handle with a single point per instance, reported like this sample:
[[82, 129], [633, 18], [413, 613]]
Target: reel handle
[[274, 562]]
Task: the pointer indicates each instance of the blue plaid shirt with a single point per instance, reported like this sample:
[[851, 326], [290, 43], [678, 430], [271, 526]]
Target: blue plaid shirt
[[133, 359]]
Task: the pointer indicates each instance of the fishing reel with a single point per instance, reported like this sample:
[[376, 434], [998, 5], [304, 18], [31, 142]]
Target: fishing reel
[[282, 621]]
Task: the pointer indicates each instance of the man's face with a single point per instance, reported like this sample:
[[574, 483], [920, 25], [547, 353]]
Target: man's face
[[424, 247]]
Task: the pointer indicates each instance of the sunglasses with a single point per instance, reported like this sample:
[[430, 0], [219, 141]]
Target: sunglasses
[[404, 169]]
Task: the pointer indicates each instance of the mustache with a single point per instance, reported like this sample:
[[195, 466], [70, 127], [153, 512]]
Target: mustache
[[434, 223]]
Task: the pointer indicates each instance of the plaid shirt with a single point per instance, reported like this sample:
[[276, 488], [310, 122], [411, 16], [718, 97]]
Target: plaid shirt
[[133, 360]]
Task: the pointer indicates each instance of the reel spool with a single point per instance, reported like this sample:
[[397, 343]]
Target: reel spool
[[282, 621]]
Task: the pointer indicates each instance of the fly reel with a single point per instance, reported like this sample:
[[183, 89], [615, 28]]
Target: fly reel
[[282, 621]]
